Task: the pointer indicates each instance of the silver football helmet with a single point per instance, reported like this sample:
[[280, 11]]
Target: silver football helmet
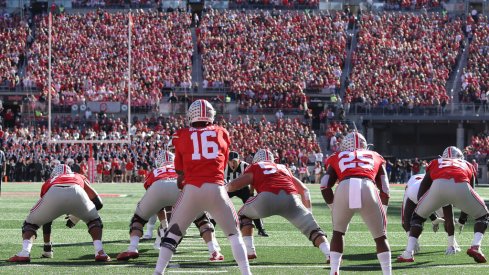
[[353, 141], [60, 169], [201, 110], [263, 155], [452, 152]]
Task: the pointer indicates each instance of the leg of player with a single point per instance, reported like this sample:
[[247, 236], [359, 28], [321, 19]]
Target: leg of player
[[46, 234], [149, 228], [480, 227], [95, 230], [244, 194], [336, 252], [453, 246], [29, 233], [206, 230], [407, 212], [414, 233], [247, 227], [384, 254], [162, 216], [135, 232]]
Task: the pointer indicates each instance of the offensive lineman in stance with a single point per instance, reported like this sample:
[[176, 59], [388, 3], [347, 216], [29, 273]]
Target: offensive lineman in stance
[[64, 193], [409, 204], [162, 191], [278, 194], [358, 171], [448, 180], [201, 153]]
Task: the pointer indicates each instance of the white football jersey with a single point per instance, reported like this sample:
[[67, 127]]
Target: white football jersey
[[412, 187]]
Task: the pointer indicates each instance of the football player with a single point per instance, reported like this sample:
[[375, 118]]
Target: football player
[[201, 153], [409, 204], [278, 193], [65, 192], [162, 191], [234, 169], [363, 188], [449, 180]]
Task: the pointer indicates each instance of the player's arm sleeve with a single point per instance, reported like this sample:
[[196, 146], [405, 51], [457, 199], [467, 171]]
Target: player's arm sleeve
[[425, 185], [327, 183]]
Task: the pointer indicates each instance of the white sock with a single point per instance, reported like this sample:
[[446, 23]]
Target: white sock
[[211, 247], [163, 259], [324, 247], [477, 239], [134, 243], [26, 248], [451, 240], [335, 260], [250, 246], [385, 262], [239, 253], [149, 229], [163, 224], [412, 241], [98, 246]]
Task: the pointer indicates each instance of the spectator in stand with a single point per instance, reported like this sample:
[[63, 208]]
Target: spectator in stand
[[13, 34]]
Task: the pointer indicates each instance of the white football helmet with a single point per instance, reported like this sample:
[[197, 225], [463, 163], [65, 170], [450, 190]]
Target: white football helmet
[[452, 152], [164, 157], [201, 110], [263, 155], [353, 141], [60, 169]]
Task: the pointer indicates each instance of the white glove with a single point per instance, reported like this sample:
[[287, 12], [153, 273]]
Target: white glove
[[459, 225], [436, 223], [452, 250]]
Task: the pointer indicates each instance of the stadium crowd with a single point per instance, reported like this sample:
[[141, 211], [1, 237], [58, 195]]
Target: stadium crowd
[[13, 34], [269, 58], [90, 56], [475, 79], [287, 4], [403, 60], [479, 145]]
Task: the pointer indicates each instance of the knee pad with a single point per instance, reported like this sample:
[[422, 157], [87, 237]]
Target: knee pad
[[46, 228], [484, 220], [172, 238], [316, 233], [30, 227], [203, 224], [417, 221], [135, 221], [95, 223], [245, 221]]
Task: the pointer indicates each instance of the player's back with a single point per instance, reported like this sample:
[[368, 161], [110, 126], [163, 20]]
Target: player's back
[[271, 177], [69, 178], [357, 163], [202, 153], [445, 168], [164, 172]]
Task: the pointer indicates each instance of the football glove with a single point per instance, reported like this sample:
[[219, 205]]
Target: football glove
[[436, 223], [452, 250], [71, 221]]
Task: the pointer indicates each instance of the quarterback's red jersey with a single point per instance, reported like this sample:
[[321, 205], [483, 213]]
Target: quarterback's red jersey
[[271, 177], [358, 163], [458, 169], [72, 178], [202, 154], [162, 173]]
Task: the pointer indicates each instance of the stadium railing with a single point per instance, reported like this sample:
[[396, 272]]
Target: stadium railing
[[449, 109]]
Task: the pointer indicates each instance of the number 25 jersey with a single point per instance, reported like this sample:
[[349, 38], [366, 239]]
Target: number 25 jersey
[[202, 154], [358, 163]]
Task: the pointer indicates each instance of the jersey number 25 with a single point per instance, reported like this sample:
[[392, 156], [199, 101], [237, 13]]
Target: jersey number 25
[[355, 159]]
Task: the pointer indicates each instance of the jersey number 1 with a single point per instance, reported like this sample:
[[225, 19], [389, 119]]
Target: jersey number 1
[[200, 140]]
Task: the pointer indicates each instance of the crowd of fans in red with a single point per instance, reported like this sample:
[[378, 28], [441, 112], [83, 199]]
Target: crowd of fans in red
[[475, 79], [278, 3], [412, 4], [479, 145], [270, 58], [403, 59], [90, 56], [13, 37]]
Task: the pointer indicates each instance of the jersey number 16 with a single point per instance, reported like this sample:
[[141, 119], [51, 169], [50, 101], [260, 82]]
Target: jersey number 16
[[203, 147]]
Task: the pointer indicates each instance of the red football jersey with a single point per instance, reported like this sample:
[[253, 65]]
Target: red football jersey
[[71, 178], [202, 154], [162, 173], [458, 169], [271, 177], [358, 163]]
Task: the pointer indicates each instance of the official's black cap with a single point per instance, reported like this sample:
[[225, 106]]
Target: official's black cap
[[233, 155]]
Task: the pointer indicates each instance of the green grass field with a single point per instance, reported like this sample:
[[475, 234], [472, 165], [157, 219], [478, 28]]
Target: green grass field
[[286, 251]]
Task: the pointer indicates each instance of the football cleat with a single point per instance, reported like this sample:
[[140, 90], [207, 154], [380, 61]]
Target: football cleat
[[147, 237], [19, 259], [262, 233], [251, 256], [47, 251], [127, 255], [452, 250], [102, 257], [475, 252], [216, 257], [405, 258]]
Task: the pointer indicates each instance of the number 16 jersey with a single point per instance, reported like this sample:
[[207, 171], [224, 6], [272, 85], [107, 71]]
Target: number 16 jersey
[[202, 154], [358, 163]]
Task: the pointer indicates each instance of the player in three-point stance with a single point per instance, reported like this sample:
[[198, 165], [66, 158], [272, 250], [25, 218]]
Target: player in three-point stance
[[64, 193], [279, 193], [358, 171], [162, 191], [448, 180], [201, 153]]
